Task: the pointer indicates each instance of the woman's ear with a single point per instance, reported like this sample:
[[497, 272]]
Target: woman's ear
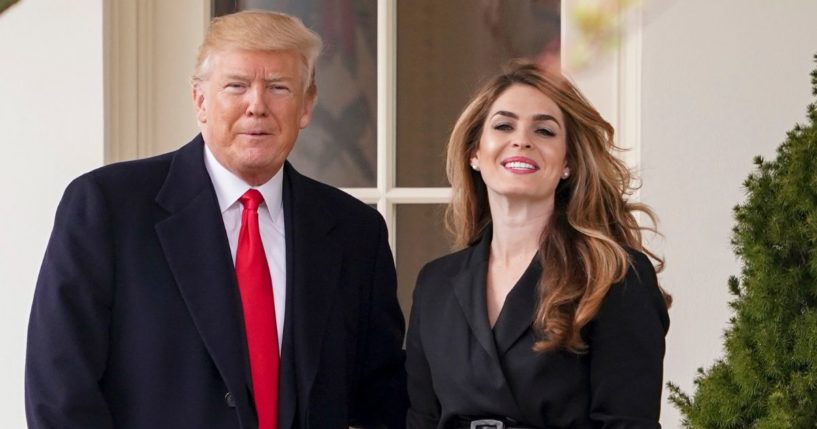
[[566, 172], [475, 163]]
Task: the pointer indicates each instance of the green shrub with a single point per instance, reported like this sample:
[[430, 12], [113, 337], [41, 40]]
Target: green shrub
[[768, 377]]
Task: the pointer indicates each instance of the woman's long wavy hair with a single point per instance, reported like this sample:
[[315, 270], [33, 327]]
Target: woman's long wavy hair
[[583, 248]]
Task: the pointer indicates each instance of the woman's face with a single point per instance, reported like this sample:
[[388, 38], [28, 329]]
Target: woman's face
[[522, 149]]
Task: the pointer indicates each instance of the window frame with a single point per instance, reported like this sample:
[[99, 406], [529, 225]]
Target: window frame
[[134, 102]]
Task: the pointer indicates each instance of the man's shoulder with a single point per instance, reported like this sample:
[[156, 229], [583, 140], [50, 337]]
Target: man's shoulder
[[126, 180], [124, 171], [333, 199]]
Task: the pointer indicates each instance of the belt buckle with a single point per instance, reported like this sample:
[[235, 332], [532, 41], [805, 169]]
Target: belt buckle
[[487, 424]]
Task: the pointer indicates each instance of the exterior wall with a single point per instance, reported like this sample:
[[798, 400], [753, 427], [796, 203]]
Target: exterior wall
[[722, 82], [51, 117], [696, 89]]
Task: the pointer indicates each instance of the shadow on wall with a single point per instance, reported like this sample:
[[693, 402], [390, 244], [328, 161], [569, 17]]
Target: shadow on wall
[[5, 4]]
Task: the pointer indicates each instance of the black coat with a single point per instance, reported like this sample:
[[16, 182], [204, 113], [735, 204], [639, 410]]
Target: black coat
[[136, 321], [458, 366]]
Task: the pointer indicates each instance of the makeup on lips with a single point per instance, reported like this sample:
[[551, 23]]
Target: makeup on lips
[[520, 165]]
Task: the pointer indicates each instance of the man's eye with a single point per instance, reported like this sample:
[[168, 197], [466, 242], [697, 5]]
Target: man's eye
[[279, 89], [235, 86]]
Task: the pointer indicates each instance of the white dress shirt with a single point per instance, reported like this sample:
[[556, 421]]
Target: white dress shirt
[[229, 188]]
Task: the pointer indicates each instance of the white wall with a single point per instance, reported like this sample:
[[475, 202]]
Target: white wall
[[722, 82], [711, 84], [51, 130]]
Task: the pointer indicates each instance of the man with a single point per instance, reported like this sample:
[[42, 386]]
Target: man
[[215, 287]]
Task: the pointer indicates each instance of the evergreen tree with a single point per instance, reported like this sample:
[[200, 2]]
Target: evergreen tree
[[768, 377]]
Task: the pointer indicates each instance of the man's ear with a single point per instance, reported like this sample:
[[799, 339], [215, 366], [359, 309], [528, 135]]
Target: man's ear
[[200, 103], [309, 104]]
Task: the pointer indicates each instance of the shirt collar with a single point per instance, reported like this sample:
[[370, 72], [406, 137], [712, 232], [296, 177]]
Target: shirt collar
[[229, 187]]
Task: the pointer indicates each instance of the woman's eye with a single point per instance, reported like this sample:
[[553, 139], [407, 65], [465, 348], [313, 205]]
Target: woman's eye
[[545, 132], [503, 127]]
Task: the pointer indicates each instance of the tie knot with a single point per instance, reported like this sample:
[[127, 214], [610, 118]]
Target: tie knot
[[251, 199]]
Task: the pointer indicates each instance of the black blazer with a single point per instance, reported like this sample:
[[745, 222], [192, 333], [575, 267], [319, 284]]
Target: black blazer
[[136, 321], [458, 366]]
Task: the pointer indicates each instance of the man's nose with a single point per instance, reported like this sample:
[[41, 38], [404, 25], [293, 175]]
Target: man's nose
[[257, 103]]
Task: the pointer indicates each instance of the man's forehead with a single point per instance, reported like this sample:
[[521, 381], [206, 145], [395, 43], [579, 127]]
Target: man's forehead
[[267, 75], [239, 54], [272, 64]]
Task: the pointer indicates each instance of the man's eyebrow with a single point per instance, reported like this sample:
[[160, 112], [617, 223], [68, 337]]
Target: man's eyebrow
[[238, 76], [277, 79]]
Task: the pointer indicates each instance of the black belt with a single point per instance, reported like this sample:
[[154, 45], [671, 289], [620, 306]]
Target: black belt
[[465, 423]]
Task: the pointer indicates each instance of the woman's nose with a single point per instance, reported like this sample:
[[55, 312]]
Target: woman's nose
[[521, 142]]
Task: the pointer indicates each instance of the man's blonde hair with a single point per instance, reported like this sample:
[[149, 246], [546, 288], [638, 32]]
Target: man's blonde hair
[[260, 30]]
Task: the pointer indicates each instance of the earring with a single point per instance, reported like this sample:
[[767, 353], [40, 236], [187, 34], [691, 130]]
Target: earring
[[474, 166], [566, 174]]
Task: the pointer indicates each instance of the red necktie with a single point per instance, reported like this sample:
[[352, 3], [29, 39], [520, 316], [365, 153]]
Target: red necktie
[[255, 285]]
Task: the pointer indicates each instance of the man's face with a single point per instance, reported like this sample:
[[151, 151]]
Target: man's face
[[250, 107]]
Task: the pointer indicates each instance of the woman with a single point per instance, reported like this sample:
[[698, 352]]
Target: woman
[[552, 315]]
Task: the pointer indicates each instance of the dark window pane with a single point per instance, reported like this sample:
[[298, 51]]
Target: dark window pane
[[421, 237], [445, 49], [339, 146]]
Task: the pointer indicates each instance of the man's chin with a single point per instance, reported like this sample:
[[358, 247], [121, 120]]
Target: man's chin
[[257, 172]]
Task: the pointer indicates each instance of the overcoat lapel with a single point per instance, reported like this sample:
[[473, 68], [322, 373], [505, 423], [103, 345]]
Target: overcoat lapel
[[198, 253], [314, 261]]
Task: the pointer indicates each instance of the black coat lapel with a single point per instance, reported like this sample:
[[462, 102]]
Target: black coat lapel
[[313, 268], [469, 288], [518, 311], [196, 248]]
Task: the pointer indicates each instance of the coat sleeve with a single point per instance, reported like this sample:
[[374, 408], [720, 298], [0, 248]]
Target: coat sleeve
[[626, 346], [70, 316], [382, 398], [424, 409]]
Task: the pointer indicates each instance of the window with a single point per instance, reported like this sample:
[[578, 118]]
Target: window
[[392, 80], [394, 76]]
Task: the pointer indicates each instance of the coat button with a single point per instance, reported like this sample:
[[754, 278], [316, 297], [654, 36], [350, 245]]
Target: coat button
[[228, 399]]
